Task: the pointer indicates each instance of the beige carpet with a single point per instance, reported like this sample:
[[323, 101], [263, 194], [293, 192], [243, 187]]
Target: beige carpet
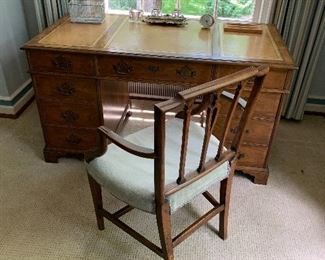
[[46, 210]]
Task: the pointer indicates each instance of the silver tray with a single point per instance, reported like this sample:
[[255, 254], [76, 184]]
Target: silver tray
[[165, 20]]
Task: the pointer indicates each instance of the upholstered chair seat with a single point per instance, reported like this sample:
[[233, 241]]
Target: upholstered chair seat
[[131, 178]]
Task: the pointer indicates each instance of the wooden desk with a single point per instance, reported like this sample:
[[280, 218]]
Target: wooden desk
[[80, 74]]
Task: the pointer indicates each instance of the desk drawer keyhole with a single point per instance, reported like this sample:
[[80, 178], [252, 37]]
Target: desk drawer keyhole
[[186, 72], [70, 116], [122, 68], [62, 63], [73, 139], [66, 90]]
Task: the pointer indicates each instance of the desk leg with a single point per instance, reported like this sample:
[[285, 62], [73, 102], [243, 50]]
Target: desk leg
[[259, 175], [50, 155], [53, 155]]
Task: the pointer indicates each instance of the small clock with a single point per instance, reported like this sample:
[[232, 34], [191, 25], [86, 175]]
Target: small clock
[[206, 20]]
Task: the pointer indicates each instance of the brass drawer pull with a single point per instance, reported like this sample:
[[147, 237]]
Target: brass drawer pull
[[122, 68], [251, 81], [186, 72], [73, 139], [236, 129], [69, 116], [66, 90], [153, 68], [62, 63]]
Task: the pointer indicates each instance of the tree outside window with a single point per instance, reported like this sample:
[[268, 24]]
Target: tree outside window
[[225, 8], [235, 8]]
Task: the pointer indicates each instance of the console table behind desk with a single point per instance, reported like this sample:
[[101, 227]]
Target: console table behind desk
[[81, 71]]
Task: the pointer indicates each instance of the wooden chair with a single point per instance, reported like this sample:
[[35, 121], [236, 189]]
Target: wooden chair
[[159, 169]]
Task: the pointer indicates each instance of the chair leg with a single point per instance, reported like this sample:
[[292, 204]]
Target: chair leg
[[225, 190], [164, 228], [96, 193], [129, 113]]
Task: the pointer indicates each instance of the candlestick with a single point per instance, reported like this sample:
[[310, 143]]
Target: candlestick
[[178, 5]]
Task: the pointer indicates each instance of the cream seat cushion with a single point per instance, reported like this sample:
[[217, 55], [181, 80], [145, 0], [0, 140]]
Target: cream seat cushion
[[131, 178]]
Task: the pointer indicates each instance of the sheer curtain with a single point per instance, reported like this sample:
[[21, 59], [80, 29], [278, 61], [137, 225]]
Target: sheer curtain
[[302, 26]]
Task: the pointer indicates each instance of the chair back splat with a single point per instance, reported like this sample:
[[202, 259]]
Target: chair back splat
[[183, 160], [208, 96]]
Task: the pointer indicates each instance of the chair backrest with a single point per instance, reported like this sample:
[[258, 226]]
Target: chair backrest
[[205, 97]]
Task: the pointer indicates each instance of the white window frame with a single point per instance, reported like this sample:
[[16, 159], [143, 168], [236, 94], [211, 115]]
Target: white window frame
[[261, 13]]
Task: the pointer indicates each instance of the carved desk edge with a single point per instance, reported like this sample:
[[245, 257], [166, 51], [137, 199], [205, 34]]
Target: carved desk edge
[[287, 62]]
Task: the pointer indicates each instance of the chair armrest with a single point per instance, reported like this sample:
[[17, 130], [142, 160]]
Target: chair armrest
[[126, 145]]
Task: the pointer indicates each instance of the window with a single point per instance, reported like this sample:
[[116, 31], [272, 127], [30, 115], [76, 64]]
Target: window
[[189, 7], [244, 10]]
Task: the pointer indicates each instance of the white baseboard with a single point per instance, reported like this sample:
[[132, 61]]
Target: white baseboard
[[315, 108], [315, 104], [316, 97], [13, 95], [11, 107]]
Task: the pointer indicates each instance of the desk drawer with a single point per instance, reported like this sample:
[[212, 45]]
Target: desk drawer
[[252, 154], [61, 62], [154, 70], [266, 106], [275, 79], [69, 114], [256, 132], [71, 138], [66, 89]]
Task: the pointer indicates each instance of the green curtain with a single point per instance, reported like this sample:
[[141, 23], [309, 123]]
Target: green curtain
[[302, 26]]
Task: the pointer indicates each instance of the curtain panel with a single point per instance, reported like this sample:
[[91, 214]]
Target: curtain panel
[[48, 12], [302, 26]]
